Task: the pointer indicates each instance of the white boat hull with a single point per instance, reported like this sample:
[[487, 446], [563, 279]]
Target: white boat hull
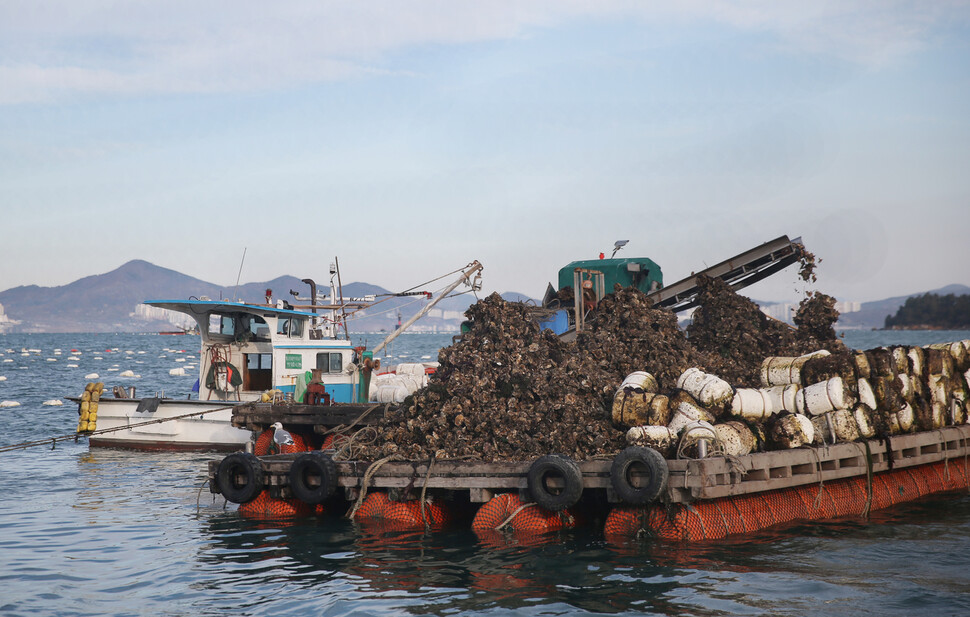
[[179, 429]]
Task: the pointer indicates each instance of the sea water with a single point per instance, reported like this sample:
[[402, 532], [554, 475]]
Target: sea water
[[90, 531]]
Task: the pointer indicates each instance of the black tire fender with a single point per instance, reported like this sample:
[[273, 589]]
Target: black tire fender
[[313, 464], [236, 466], [551, 466], [646, 461]]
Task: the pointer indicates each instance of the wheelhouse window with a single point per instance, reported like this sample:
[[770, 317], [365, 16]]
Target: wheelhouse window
[[242, 326], [290, 326], [330, 362]]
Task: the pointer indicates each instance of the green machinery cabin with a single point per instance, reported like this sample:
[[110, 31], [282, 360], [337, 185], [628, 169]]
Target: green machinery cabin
[[638, 272]]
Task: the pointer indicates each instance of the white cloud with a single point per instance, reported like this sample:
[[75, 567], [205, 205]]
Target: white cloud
[[97, 47]]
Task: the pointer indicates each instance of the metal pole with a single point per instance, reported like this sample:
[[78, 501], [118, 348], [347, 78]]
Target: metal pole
[[464, 278]]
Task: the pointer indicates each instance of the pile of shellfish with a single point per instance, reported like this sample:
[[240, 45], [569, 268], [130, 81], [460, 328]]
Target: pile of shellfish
[[736, 382]]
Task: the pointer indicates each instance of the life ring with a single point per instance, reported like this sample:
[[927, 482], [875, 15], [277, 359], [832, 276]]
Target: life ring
[[234, 466], [654, 474], [313, 464], [555, 465]]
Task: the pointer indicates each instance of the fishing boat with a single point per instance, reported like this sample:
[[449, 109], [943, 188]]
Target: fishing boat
[[271, 353]]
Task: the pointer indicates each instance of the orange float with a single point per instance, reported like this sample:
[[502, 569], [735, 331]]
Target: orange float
[[379, 509], [718, 518], [265, 506], [527, 518]]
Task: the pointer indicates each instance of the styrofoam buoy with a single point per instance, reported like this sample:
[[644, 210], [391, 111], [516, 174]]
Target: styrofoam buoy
[[781, 370], [762, 403], [632, 408], [792, 431], [684, 410], [92, 376], [691, 436], [901, 421], [128, 373], [864, 420], [640, 380], [823, 397], [53, 402], [660, 438], [177, 371], [837, 426], [9, 404], [736, 438], [709, 390], [3, 378], [866, 396]]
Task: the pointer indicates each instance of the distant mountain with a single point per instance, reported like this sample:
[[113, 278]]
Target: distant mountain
[[109, 302], [873, 314]]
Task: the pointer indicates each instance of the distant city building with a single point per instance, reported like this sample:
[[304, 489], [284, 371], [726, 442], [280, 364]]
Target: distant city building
[[5, 321], [848, 307], [152, 313], [786, 311]]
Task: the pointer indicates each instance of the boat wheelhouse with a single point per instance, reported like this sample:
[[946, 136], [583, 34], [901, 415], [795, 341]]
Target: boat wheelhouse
[[250, 349]]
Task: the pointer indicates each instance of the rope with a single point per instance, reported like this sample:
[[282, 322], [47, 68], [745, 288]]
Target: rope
[[966, 471], [424, 490], [351, 440], [74, 436], [513, 515], [198, 497], [868, 455], [413, 288], [368, 474], [946, 457], [821, 483], [727, 528]]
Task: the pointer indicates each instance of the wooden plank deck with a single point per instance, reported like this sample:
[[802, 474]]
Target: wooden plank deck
[[258, 416], [690, 479]]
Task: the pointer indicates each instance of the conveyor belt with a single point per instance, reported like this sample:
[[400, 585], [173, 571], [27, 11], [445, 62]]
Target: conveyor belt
[[739, 271]]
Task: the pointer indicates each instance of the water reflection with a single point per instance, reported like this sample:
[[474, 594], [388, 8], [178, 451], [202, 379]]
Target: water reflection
[[457, 570], [448, 571]]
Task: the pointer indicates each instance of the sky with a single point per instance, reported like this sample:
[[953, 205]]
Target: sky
[[410, 138]]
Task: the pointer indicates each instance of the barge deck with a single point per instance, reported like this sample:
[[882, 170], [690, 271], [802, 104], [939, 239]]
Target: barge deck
[[715, 480]]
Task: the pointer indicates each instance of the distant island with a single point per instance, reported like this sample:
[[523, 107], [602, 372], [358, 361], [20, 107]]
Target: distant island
[[932, 311]]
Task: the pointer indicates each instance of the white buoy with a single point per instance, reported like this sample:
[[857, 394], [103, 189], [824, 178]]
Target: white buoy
[[823, 397], [177, 371], [9, 404], [72, 366], [709, 390], [52, 359], [92, 376], [128, 373], [3, 378], [53, 402]]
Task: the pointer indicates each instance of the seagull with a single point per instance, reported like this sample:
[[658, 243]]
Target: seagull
[[281, 437]]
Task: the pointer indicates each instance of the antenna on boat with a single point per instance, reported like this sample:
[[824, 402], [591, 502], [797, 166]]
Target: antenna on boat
[[238, 276], [343, 308]]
